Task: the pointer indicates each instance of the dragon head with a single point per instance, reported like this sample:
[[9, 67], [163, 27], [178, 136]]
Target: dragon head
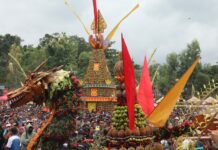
[[34, 87]]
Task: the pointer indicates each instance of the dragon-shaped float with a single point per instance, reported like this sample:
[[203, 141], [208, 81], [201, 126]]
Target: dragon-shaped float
[[60, 91]]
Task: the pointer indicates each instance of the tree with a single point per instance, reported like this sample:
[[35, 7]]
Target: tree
[[112, 58], [31, 57], [14, 75], [83, 62], [61, 50], [186, 58], [5, 43]]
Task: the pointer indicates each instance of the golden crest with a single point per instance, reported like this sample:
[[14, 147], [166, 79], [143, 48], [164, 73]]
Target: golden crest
[[102, 25]]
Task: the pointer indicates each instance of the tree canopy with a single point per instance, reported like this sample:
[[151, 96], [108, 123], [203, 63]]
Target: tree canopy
[[73, 52]]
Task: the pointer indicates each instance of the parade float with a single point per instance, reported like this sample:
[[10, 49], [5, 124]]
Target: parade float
[[136, 123], [61, 92], [98, 88]]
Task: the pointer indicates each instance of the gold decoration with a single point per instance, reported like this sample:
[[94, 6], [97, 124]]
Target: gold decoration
[[107, 69], [108, 82], [94, 92], [91, 106], [96, 66], [101, 24], [81, 82]]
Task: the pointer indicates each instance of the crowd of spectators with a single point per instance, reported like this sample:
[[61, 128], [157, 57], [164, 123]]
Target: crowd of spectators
[[91, 127], [23, 121]]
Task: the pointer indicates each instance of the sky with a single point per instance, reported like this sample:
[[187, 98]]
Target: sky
[[168, 25]]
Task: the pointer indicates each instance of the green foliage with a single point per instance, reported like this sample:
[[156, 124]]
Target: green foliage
[[15, 74], [176, 65], [61, 50], [112, 58], [5, 44], [74, 52], [83, 63], [31, 57]]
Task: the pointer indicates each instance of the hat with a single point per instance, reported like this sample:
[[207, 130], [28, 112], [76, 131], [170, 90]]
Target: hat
[[8, 125]]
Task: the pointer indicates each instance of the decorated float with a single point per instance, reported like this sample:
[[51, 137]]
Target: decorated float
[[136, 123]]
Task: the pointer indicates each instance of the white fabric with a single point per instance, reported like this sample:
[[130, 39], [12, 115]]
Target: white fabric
[[10, 140], [185, 144]]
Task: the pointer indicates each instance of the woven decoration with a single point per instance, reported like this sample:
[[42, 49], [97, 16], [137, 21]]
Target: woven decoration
[[102, 25], [96, 66], [94, 92]]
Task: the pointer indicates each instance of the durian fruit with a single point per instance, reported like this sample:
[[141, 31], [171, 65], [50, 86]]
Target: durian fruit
[[149, 130], [127, 132], [158, 146], [131, 148], [136, 132], [113, 148], [114, 133], [122, 148], [142, 131], [140, 148], [154, 146], [121, 133]]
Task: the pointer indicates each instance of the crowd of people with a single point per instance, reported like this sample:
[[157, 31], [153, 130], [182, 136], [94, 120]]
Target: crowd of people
[[90, 127], [20, 123], [23, 122]]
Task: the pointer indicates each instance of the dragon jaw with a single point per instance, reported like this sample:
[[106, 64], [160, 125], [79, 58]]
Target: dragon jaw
[[34, 88]]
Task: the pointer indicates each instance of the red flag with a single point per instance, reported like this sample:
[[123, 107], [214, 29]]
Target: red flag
[[129, 79], [145, 94], [95, 14]]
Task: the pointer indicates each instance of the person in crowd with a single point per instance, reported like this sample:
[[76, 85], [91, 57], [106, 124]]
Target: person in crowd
[[27, 136], [214, 136], [2, 140], [14, 141], [199, 145]]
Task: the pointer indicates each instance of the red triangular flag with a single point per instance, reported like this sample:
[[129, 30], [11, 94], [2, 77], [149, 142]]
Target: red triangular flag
[[95, 14], [145, 94], [130, 85]]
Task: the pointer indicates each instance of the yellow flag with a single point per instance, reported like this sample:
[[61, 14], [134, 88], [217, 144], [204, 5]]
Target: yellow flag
[[76, 15], [111, 34], [162, 112]]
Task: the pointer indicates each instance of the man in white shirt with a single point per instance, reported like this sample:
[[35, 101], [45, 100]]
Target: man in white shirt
[[13, 141]]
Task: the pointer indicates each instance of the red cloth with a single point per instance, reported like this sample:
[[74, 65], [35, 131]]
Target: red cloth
[[95, 14], [130, 85], [5, 95], [46, 109], [145, 94]]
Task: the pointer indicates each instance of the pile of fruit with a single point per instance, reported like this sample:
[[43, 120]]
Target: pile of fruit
[[120, 133], [120, 118]]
